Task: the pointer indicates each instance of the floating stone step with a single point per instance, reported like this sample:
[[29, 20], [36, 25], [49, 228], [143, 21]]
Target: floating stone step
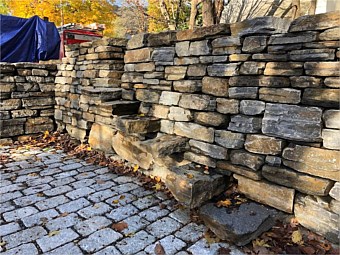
[[239, 225], [138, 124], [119, 107], [97, 96], [192, 187]]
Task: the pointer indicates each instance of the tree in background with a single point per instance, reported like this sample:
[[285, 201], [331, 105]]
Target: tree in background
[[3, 7], [67, 11]]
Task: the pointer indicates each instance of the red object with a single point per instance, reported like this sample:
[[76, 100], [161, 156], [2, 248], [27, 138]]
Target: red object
[[73, 36]]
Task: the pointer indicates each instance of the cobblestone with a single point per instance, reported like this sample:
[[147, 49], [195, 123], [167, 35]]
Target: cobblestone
[[64, 206]]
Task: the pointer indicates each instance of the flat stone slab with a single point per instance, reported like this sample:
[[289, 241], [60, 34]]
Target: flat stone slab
[[239, 225]]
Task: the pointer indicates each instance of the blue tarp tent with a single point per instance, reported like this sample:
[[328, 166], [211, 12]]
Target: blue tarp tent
[[28, 40]]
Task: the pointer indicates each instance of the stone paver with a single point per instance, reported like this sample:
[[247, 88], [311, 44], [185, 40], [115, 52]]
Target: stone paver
[[54, 204]]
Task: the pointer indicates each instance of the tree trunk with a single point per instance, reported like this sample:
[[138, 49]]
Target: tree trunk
[[273, 8], [219, 7], [207, 13], [296, 8], [193, 14], [312, 7]]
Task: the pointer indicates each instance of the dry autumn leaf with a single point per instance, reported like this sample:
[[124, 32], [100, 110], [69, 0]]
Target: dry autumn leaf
[[122, 197], [116, 201], [46, 134], [53, 233], [157, 186], [120, 226], [297, 237], [135, 168], [260, 243], [224, 203], [210, 238], [159, 250], [157, 178], [2, 243], [190, 176]]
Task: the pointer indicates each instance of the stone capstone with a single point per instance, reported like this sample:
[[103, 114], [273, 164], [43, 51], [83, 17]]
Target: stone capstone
[[240, 225]]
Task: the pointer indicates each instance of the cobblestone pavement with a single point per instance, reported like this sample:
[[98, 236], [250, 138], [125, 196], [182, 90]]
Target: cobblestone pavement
[[55, 204]]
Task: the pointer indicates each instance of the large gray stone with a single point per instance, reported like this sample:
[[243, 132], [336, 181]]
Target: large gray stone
[[197, 102], [207, 149], [262, 81], [203, 32], [192, 187], [250, 160], [227, 106], [254, 44], [195, 131], [223, 69], [305, 81], [138, 125], [302, 182], [314, 161], [293, 38], [215, 86], [182, 49], [200, 159], [280, 95], [211, 119], [264, 144], [180, 114], [313, 213], [245, 124], [199, 48], [321, 97], [292, 122], [252, 107], [229, 139], [243, 92], [312, 54], [252, 68], [240, 225], [335, 191], [164, 54], [226, 41], [331, 139], [226, 166], [332, 118]]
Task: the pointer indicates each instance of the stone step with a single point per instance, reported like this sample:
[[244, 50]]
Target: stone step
[[138, 124], [97, 96], [146, 153], [119, 107], [192, 187], [239, 225]]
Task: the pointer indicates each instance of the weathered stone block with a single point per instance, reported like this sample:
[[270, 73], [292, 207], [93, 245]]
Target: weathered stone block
[[138, 125], [159, 111], [197, 70], [182, 49], [293, 38], [203, 32], [330, 34], [137, 41], [227, 50], [243, 92], [260, 25], [292, 122], [215, 86], [332, 118], [226, 41], [188, 86], [10, 104], [335, 191], [227, 106], [194, 131], [254, 44], [314, 161], [312, 54], [245, 124], [200, 159], [12, 127], [167, 127], [252, 107], [321, 97], [140, 55], [250, 160], [241, 170], [24, 113], [164, 54], [264, 144], [262, 81], [197, 102], [322, 68], [199, 48], [7, 87], [284, 69], [180, 114], [332, 82], [210, 119], [305, 82], [273, 160], [281, 95], [269, 57], [5, 115], [252, 67], [302, 182], [207, 149], [161, 39], [149, 96], [331, 139], [239, 57], [196, 190], [316, 22], [132, 77], [313, 213], [267, 193], [241, 225], [174, 73], [101, 137], [223, 69], [229, 139], [186, 61], [169, 98]]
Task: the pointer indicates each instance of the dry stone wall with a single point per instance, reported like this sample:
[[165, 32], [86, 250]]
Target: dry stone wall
[[258, 100], [27, 99]]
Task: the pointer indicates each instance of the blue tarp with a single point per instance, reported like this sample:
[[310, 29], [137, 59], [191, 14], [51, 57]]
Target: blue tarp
[[28, 40]]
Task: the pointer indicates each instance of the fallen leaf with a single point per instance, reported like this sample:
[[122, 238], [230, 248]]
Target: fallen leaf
[[129, 234], [2, 243], [135, 168], [210, 238], [46, 134], [63, 214], [40, 194], [224, 203], [122, 197], [100, 181], [157, 186], [89, 148], [190, 176], [297, 237], [159, 250], [294, 222], [53, 233], [260, 243], [120, 226], [33, 174], [157, 178], [223, 251], [115, 201]]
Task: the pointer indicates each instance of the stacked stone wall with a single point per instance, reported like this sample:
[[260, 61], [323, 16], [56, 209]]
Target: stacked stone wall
[[27, 99]]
